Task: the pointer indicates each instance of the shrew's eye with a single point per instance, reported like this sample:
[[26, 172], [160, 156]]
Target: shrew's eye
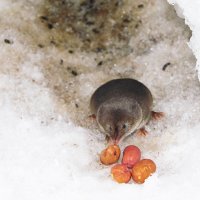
[[124, 126]]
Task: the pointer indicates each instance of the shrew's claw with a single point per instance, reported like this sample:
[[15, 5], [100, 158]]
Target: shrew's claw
[[157, 115], [142, 132], [93, 116]]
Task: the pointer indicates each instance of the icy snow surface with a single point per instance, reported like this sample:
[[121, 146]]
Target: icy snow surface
[[190, 10], [48, 147]]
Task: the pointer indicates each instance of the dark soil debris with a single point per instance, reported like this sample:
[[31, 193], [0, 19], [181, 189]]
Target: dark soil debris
[[165, 66], [61, 61], [93, 26], [100, 63], [40, 45], [76, 105], [74, 72], [71, 51], [140, 6], [50, 26], [7, 41]]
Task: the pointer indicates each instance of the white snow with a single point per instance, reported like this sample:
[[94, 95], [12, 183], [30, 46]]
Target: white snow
[[44, 155], [190, 10]]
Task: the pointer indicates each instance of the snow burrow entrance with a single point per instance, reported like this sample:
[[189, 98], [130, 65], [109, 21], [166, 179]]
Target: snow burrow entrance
[[49, 70]]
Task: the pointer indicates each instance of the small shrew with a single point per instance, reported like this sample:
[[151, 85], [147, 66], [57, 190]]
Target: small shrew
[[165, 66]]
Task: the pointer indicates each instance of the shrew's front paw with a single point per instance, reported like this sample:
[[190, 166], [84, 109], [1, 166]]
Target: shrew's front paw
[[142, 132], [157, 115]]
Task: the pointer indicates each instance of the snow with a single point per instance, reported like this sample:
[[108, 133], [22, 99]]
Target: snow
[[190, 10], [48, 147]]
